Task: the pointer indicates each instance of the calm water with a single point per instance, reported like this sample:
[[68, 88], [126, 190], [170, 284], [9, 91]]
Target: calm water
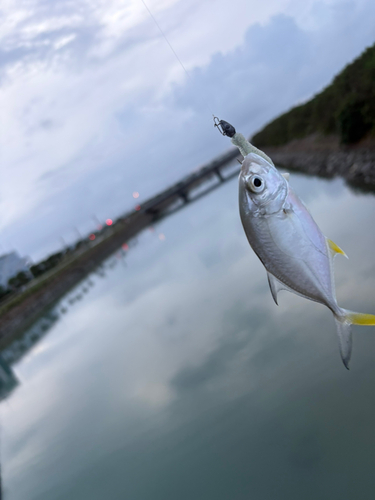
[[171, 374]]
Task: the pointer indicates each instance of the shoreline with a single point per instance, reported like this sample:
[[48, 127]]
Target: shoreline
[[28, 306], [22, 309], [324, 158]]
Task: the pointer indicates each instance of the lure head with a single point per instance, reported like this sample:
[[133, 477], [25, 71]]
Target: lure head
[[263, 189], [224, 127]]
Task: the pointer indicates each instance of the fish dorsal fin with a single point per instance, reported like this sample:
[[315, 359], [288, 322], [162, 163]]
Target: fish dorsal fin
[[335, 249], [286, 176]]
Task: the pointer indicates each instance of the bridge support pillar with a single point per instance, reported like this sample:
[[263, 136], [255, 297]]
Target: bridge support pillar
[[184, 196], [218, 173]]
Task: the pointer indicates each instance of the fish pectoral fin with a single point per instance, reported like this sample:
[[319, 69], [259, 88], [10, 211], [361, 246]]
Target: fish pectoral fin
[[335, 249], [286, 176], [275, 286]]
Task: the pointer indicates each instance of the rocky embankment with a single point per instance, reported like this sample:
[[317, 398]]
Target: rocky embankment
[[327, 158]]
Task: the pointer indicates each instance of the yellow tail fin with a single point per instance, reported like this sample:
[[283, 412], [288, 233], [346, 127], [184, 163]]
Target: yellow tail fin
[[361, 319]]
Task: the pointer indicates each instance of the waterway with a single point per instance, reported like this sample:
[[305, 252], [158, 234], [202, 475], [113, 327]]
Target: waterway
[[171, 374]]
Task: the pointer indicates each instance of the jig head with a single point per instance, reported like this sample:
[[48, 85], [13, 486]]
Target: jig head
[[224, 127]]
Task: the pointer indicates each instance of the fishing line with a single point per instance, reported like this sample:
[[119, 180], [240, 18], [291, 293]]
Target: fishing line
[[172, 49]]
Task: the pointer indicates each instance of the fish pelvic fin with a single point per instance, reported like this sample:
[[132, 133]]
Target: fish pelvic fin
[[343, 325], [275, 286], [335, 249]]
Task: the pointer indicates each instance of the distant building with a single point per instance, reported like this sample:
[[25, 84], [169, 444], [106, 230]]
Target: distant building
[[10, 265]]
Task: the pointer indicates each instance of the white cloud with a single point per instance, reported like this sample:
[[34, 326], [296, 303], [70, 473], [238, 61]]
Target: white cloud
[[94, 104]]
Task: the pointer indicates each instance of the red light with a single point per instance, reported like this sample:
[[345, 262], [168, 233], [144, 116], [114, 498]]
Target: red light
[[135, 194], [92, 237], [125, 246], [109, 222], [100, 227], [138, 207]]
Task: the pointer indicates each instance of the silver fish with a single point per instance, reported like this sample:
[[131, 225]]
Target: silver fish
[[287, 240]]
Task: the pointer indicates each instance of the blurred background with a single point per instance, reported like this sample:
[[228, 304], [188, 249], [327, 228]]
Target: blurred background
[[142, 356], [95, 106]]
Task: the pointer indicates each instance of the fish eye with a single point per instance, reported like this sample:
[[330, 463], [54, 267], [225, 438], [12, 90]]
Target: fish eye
[[255, 184]]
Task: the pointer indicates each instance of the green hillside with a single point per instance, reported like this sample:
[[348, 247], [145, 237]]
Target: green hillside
[[345, 108]]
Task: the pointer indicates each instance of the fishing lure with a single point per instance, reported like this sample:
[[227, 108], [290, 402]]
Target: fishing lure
[[287, 240]]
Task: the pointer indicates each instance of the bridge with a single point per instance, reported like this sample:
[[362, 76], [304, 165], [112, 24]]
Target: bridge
[[183, 189]]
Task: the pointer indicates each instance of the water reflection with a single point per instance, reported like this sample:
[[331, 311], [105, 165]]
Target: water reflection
[[21, 346], [25, 342], [178, 377]]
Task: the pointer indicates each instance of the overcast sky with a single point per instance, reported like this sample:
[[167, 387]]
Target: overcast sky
[[94, 105]]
